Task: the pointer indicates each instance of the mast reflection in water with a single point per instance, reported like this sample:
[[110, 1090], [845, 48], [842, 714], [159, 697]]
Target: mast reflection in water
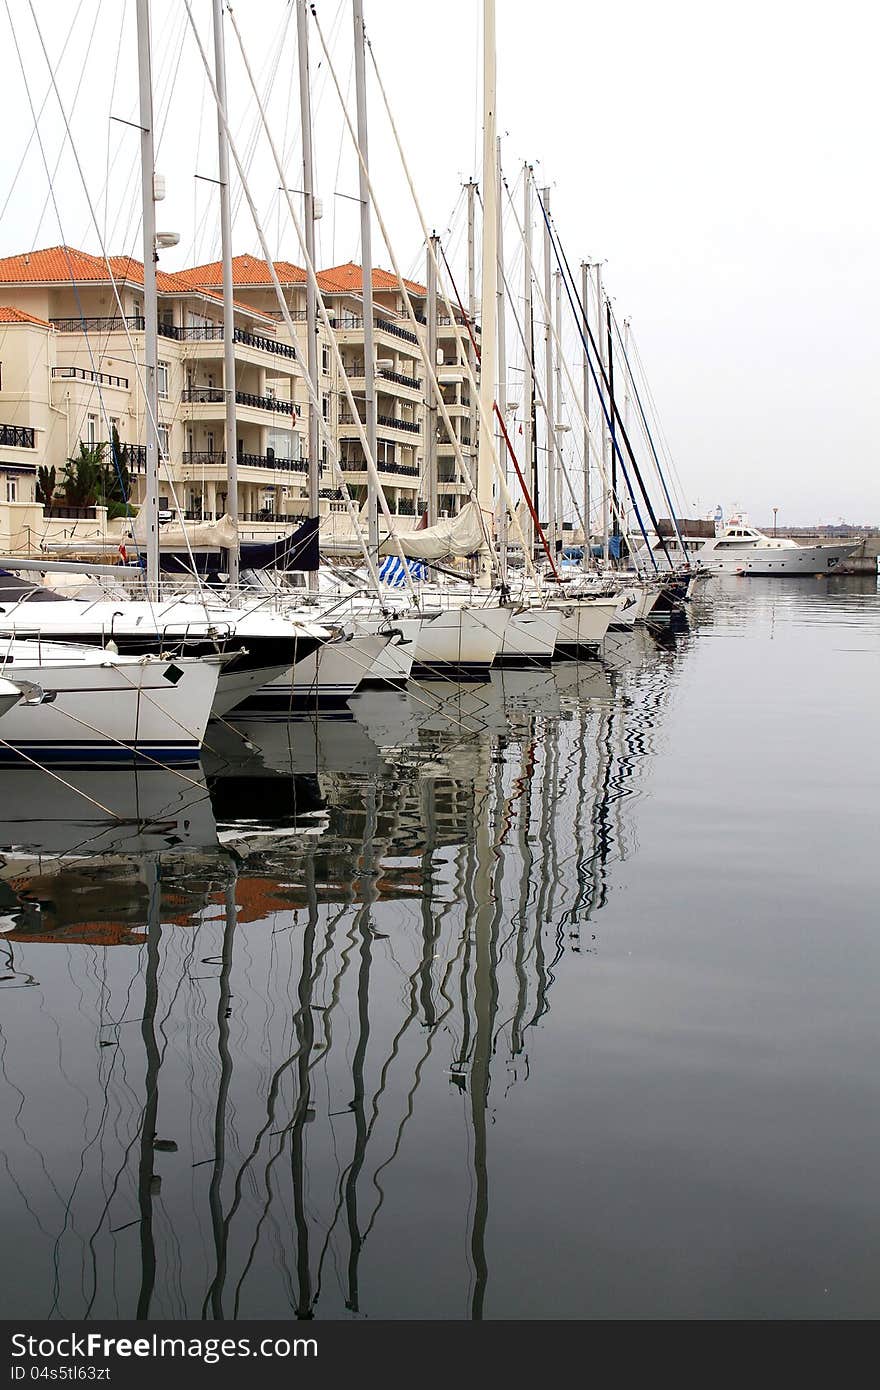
[[256, 1036]]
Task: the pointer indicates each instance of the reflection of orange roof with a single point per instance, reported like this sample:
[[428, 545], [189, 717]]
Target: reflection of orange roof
[[11, 315], [89, 934], [349, 279], [246, 270]]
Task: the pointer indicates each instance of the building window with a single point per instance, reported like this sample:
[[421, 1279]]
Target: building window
[[325, 405], [163, 440], [91, 430], [11, 489], [162, 380], [325, 359], [209, 442]]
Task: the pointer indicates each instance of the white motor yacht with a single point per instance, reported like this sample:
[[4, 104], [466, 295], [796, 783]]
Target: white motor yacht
[[739, 548]]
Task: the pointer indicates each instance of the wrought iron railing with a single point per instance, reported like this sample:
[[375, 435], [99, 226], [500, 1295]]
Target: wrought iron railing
[[84, 374], [213, 395], [17, 436]]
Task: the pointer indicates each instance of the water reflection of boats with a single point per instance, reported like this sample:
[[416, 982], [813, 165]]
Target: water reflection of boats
[[307, 1006], [126, 811]]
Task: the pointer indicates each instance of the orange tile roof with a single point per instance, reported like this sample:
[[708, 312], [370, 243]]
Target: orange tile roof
[[348, 279], [65, 265], [246, 270], [52, 264], [11, 315]]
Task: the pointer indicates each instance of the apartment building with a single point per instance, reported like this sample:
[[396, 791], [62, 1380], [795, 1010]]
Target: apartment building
[[71, 368], [76, 372], [400, 384]]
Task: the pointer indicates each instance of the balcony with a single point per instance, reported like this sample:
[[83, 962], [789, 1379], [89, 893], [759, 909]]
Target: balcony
[[385, 422], [213, 395], [17, 436], [345, 321], [84, 374], [213, 333], [135, 455], [114, 324], [403, 470], [216, 458], [413, 382]]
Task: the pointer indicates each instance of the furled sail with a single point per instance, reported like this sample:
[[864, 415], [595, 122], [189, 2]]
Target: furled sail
[[459, 535]]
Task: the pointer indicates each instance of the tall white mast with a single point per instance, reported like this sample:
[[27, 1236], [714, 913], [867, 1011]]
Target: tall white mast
[[626, 381], [228, 306], [472, 310], [305, 107], [548, 386], [528, 377], [488, 286], [151, 305], [557, 285], [501, 394], [585, 297], [431, 413], [360, 79], [603, 429]]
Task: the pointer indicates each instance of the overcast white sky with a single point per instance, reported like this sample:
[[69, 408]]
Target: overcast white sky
[[722, 160]]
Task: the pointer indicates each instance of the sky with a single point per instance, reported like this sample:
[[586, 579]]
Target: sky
[[720, 161]]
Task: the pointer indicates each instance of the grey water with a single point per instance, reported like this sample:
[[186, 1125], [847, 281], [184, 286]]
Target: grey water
[[551, 997]]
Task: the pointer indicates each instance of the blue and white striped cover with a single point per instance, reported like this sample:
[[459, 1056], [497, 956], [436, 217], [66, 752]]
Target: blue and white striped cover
[[393, 573]]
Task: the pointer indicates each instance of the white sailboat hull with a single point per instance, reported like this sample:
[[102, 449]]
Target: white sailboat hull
[[584, 622], [329, 675], [101, 708], [461, 642], [531, 635]]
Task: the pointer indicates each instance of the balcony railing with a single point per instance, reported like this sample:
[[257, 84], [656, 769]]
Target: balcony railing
[[112, 324], [213, 395], [352, 321], [213, 332], [403, 470], [413, 382], [135, 455], [388, 422], [207, 458], [84, 374], [17, 436], [393, 422]]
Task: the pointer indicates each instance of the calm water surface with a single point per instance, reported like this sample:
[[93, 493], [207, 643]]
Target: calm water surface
[[551, 997]]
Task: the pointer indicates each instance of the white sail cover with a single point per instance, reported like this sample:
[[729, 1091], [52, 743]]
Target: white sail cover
[[197, 534], [459, 535]]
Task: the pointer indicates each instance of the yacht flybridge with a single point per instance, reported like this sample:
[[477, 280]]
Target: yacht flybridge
[[739, 548]]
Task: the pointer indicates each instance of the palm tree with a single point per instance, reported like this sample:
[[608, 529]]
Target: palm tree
[[45, 488], [84, 477]]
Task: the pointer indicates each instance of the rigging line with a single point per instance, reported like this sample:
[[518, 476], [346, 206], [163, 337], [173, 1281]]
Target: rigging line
[[661, 434], [574, 393], [485, 423], [580, 319], [21, 163], [314, 400], [109, 127], [526, 494], [42, 149], [76, 94], [313, 396], [430, 367], [649, 437], [110, 271]]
